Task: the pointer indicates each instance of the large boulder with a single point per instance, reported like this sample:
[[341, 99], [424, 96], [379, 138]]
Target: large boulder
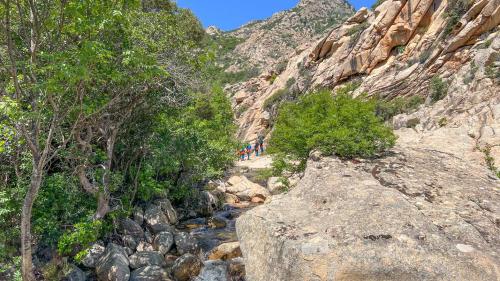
[[186, 267], [149, 273], [275, 185], [214, 271], [207, 203], [245, 189], [113, 264], [138, 215], [163, 242], [415, 214], [141, 259], [73, 273], [156, 220], [129, 242], [186, 243], [130, 227], [225, 251], [168, 210], [93, 254]]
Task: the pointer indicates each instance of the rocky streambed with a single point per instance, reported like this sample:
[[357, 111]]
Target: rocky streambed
[[160, 242]]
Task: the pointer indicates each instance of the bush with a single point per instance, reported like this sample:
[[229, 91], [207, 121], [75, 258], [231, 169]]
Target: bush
[[454, 11], [80, 238], [342, 125], [388, 109], [439, 89]]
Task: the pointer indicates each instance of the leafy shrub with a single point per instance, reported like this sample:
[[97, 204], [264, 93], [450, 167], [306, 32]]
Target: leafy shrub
[[439, 89], [341, 125], [490, 161], [80, 238], [400, 49], [443, 122], [454, 11], [388, 109], [235, 77]]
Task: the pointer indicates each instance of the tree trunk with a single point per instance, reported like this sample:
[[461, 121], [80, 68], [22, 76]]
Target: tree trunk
[[27, 262]]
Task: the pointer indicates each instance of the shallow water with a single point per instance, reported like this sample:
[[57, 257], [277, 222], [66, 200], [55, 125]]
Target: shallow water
[[208, 235]]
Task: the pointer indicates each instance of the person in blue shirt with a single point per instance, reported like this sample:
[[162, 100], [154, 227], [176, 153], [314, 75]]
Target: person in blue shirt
[[249, 150]]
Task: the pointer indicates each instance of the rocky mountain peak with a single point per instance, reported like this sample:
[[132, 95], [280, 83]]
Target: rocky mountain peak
[[266, 43]]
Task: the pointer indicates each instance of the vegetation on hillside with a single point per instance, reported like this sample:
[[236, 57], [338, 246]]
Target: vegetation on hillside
[[103, 104]]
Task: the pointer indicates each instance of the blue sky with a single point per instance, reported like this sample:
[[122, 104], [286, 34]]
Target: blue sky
[[230, 14]]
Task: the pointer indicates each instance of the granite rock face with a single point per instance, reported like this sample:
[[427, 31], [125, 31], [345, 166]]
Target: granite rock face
[[414, 214]]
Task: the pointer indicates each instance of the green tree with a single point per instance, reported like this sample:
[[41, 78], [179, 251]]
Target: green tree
[[75, 74]]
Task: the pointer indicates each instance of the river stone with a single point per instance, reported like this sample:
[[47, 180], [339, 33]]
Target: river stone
[[217, 222], [93, 255], [129, 242], [236, 268], [168, 210], [113, 264], [130, 227], [399, 217], [156, 220], [207, 203], [144, 247], [214, 271], [163, 242], [186, 243], [141, 259], [149, 273], [148, 236], [245, 189], [74, 274], [138, 215], [186, 267], [225, 251]]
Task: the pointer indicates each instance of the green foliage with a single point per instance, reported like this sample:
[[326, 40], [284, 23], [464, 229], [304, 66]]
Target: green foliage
[[490, 161], [443, 122], [400, 49], [61, 202], [454, 11], [341, 125], [388, 109], [187, 146], [438, 89], [264, 174], [235, 77], [80, 238], [273, 78]]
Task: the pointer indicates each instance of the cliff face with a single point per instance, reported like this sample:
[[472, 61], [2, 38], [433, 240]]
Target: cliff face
[[266, 43], [424, 211], [413, 215], [397, 50]]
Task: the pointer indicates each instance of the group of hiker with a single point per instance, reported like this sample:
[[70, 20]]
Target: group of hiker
[[248, 149]]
